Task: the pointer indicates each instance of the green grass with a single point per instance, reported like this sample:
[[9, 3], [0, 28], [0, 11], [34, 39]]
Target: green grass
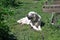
[[25, 32]]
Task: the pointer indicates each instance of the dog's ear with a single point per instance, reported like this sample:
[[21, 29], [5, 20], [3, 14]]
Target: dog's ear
[[28, 17], [42, 23]]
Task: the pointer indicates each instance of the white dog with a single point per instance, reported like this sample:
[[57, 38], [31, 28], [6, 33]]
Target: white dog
[[32, 19]]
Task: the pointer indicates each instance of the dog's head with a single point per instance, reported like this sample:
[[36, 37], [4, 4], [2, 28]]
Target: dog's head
[[32, 16]]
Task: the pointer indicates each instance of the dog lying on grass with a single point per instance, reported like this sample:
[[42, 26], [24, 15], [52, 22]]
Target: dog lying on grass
[[33, 19]]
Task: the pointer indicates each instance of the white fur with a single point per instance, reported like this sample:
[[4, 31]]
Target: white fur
[[24, 20]]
